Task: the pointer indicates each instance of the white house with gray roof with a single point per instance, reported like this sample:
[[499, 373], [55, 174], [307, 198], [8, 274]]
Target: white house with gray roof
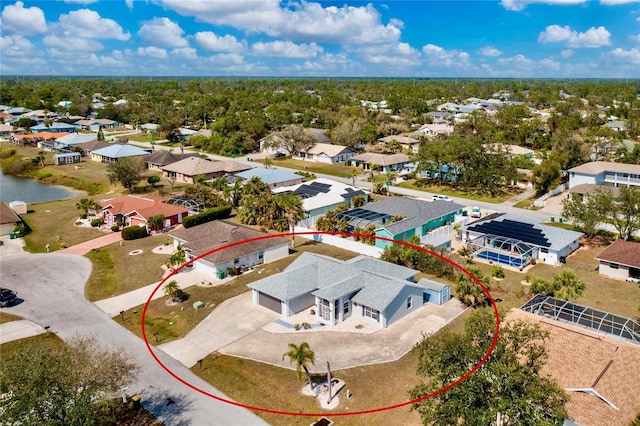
[[605, 173], [365, 288]]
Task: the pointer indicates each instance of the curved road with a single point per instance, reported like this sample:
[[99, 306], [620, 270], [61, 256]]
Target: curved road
[[52, 289]]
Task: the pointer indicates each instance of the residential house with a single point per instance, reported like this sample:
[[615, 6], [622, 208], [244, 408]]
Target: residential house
[[384, 162], [325, 153], [436, 129], [605, 173], [88, 147], [273, 177], [368, 289], [54, 128], [7, 130], [400, 218], [621, 260], [96, 124], [149, 127], [207, 240], [67, 158], [509, 149], [158, 159], [68, 142], [592, 355], [406, 143], [41, 115], [617, 125], [514, 240], [188, 169], [115, 152], [137, 209], [8, 219], [35, 139], [440, 116], [321, 195]]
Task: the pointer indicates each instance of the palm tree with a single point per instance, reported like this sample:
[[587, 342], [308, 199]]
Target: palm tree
[[176, 259], [302, 355], [291, 205], [468, 291], [86, 204], [172, 289], [372, 171], [567, 285], [353, 174]]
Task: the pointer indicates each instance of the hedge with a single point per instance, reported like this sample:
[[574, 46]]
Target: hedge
[[134, 232], [207, 216]]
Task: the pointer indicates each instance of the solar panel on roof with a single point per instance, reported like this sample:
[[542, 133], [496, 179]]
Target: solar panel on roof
[[512, 229], [319, 187]]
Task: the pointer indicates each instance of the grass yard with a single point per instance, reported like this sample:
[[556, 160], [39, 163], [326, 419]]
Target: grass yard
[[276, 388], [171, 322], [7, 317], [339, 170], [115, 272], [527, 203], [53, 223], [445, 190]]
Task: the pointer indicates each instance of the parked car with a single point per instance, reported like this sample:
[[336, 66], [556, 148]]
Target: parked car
[[475, 211], [442, 197], [279, 155], [7, 297]]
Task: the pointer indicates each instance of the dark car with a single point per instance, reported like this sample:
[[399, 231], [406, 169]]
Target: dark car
[[7, 297]]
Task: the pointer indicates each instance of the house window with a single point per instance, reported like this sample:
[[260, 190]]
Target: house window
[[613, 265], [260, 255], [544, 250], [345, 308], [325, 310], [371, 313], [409, 302]]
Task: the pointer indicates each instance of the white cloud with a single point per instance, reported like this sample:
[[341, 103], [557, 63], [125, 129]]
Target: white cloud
[[567, 53], [490, 51], [226, 59], [437, 56], [517, 5], [286, 49], [631, 56], [184, 53], [15, 46], [635, 38], [593, 37], [17, 19], [71, 44], [213, 43], [617, 2], [87, 23], [300, 22], [517, 61], [162, 32], [129, 3], [80, 1], [152, 52]]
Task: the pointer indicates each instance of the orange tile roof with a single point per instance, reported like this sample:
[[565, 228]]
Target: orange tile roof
[[146, 206], [581, 359]]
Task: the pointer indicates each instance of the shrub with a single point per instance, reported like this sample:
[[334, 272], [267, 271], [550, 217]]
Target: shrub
[[7, 152], [115, 228], [497, 271], [207, 216], [134, 232], [97, 222]]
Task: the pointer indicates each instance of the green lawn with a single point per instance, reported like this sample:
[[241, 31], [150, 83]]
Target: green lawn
[[7, 317], [116, 272], [446, 190], [339, 170], [527, 204]]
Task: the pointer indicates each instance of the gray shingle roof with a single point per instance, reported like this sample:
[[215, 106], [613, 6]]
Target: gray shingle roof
[[431, 285], [379, 291]]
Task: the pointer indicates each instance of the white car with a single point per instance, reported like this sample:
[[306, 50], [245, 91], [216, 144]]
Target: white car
[[442, 197], [475, 211]]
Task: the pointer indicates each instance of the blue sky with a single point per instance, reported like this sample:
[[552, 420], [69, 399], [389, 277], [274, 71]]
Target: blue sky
[[394, 38]]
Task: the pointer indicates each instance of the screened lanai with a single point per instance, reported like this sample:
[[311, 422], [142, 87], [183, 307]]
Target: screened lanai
[[188, 203], [362, 218], [584, 316], [503, 250]]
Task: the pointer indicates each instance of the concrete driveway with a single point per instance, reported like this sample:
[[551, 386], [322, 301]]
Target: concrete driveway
[[234, 319], [52, 287]]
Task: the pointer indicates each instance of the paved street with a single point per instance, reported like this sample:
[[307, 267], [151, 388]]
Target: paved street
[[52, 287]]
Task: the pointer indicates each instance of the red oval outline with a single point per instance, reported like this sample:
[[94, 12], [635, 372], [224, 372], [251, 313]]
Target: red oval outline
[[345, 414]]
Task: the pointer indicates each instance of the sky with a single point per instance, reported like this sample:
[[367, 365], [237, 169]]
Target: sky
[[393, 38]]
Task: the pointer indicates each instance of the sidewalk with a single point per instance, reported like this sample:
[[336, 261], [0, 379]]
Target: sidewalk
[[87, 246], [19, 329]]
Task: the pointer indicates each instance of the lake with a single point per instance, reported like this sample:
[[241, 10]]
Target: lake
[[31, 191]]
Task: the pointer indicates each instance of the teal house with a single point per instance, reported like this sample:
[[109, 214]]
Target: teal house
[[410, 217]]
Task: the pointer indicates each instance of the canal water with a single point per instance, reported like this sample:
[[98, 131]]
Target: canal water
[[31, 191]]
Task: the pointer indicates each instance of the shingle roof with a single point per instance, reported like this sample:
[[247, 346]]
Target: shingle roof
[[580, 359], [328, 149], [146, 206], [194, 166], [597, 167], [162, 158], [119, 151], [269, 176], [209, 236], [76, 138], [431, 285], [402, 139], [377, 282], [622, 252], [7, 215], [382, 159]]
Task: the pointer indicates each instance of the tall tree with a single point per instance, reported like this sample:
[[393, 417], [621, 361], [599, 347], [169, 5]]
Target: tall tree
[[467, 290], [86, 204], [292, 139], [584, 211], [127, 171], [507, 390], [302, 355], [62, 385], [291, 206], [623, 212]]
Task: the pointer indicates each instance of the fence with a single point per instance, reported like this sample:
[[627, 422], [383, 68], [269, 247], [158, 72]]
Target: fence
[[540, 202], [340, 242]]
